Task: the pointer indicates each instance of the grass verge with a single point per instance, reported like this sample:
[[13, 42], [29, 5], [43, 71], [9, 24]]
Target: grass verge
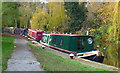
[[0, 53], [51, 62], [7, 49]]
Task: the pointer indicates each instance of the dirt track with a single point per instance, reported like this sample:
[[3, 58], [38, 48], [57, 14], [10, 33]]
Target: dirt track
[[22, 59]]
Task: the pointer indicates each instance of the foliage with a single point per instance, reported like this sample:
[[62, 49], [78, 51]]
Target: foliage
[[107, 32], [10, 14], [57, 16], [0, 15], [40, 17], [27, 9], [108, 14], [76, 13], [51, 17]]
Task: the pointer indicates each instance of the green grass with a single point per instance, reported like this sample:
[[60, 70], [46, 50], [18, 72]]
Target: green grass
[[0, 53], [51, 62], [7, 49]]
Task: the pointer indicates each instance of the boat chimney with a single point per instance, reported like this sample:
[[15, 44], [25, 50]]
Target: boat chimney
[[87, 33]]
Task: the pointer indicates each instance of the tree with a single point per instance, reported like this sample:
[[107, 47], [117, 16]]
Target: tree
[[27, 9], [10, 14], [108, 14], [76, 13], [108, 19], [0, 15], [40, 17], [49, 17], [57, 16]]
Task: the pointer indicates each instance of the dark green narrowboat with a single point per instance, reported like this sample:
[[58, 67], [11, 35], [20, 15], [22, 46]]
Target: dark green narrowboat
[[81, 45]]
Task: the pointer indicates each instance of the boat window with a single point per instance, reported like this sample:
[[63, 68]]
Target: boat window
[[61, 41], [54, 40], [39, 34], [83, 43], [32, 34], [78, 43]]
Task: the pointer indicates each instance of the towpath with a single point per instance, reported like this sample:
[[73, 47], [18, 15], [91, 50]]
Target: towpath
[[22, 59]]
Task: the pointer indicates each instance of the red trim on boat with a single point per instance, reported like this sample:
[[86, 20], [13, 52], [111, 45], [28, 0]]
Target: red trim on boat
[[66, 34]]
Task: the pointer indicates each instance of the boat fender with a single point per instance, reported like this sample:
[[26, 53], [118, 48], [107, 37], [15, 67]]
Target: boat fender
[[71, 55], [33, 42], [43, 47], [28, 38]]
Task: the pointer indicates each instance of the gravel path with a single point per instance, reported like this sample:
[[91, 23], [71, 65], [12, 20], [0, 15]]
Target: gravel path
[[22, 59]]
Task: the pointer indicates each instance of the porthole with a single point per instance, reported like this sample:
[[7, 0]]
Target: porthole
[[90, 41]]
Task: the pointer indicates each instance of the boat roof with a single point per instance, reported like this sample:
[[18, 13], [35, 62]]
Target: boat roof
[[35, 30]]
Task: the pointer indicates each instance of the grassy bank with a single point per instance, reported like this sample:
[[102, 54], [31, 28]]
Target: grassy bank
[[0, 53], [7, 49], [51, 62]]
